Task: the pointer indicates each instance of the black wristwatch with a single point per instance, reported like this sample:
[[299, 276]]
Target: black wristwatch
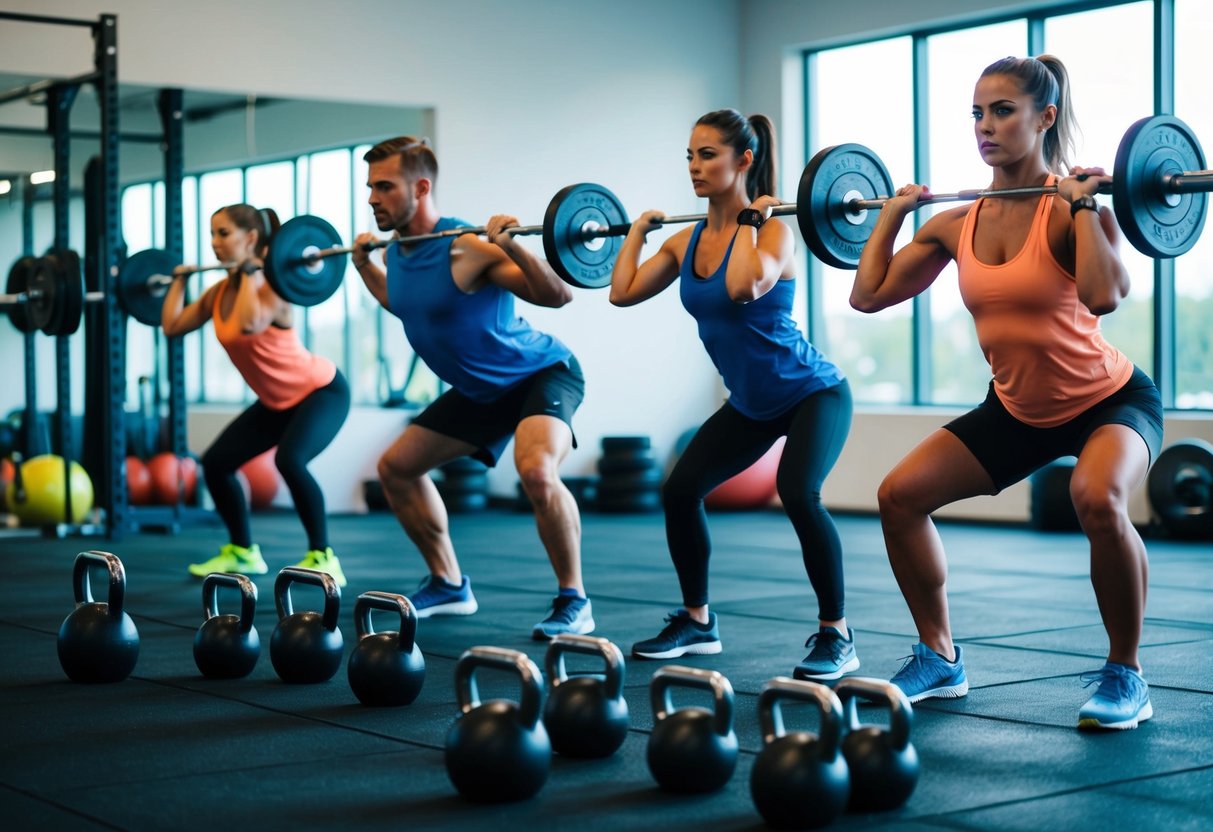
[[751, 216], [1084, 203]]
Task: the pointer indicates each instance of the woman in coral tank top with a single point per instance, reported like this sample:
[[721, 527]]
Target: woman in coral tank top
[[1036, 272], [302, 399]]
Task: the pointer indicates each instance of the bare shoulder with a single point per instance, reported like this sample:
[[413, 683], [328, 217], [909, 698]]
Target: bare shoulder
[[943, 229]]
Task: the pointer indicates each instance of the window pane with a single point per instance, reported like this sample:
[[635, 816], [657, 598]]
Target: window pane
[[272, 186], [1109, 95], [959, 372], [193, 341], [1194, 271], [222, 382], [863, 94], [329, 197], [137, 218], [137, 233]]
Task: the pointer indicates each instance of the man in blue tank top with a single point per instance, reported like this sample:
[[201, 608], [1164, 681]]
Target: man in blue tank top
[[455, 297]]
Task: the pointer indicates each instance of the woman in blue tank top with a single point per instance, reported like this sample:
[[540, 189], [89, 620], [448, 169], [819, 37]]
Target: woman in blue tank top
[[737, 281]]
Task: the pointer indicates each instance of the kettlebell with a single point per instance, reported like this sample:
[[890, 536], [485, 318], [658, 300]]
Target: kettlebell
[[498, 751], [385, 668], [799, 780], [227, 646], [306, 646], [98, 641], [693, 749], [585, 716], [884, 765]]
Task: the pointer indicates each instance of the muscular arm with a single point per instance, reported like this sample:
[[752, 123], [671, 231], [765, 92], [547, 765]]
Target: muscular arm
[[176, 317], [256, 306], [760, 257], [633, 281], [1100, 277], [373, 276], [885, 279], [515, 268]]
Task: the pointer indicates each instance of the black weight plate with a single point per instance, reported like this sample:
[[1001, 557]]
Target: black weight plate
[[63, 264], [625, 443], [299, 280], [1180, 487], [1157, 222], [833, 177], [19, 277], [583, 262], [139, 300], [612, 464], [43, 311]]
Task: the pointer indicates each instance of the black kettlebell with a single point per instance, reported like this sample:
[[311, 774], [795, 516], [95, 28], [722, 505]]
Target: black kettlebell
[[693, 749], [498, 751], [884, 765], [585, 716], [385, 668], [306, 646], [227, 646], [799, 780], [98, 641]]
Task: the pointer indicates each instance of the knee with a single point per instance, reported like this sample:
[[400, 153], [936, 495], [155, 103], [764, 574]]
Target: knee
[[288, 466], [895, 498], [794, 492], [538, 475], [1101, 509], [213, 468], [395, 475]]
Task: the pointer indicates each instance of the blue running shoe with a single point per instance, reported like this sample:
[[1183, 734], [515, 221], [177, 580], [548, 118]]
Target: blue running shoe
[[568, 614], [682, 635], [831, 654], [434, 596], [1120, 702], [927, 674]]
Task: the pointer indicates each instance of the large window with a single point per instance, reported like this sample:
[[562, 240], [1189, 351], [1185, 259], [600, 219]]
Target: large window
[[348, 328], [909, 110]]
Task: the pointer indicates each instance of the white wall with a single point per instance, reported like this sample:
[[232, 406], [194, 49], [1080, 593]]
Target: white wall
[[529, 96]]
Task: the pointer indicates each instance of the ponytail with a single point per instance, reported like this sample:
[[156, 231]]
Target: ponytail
[[755, 134]]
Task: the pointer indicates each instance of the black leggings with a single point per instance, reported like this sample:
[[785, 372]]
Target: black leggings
[[300, 432], [728, 443]]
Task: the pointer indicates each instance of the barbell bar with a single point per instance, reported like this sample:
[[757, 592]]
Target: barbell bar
[[47, 293]]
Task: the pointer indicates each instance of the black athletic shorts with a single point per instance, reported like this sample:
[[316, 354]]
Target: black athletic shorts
[[553, 391], [1010, 450]]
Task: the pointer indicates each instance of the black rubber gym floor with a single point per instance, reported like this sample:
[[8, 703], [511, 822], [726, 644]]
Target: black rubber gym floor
[[168, 749]]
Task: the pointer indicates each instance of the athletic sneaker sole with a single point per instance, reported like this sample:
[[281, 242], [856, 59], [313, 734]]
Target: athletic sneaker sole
[[1090, 723], [582, 629], [706, 648], [847, 667], [453, 608], [950, 692]]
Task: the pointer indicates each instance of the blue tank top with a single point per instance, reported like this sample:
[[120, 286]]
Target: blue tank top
[[474, 342], [765, 361]]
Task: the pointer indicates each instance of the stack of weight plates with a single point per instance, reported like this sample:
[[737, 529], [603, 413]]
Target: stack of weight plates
[[464, 485], [629, 478]]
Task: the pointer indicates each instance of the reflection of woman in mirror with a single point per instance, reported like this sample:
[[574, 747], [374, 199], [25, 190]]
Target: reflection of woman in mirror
[[302, 399], [736, 274], [1036, 272]]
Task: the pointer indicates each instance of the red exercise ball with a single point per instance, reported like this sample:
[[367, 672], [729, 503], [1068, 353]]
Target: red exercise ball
[[138, 482], [167, 471], [752, 488], [262, 476]]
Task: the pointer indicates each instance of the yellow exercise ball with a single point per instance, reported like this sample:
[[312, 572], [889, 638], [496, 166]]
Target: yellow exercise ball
[[42, 480]]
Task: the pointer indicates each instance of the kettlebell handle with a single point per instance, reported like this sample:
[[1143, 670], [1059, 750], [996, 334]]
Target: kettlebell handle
[[83, 589], [388, 602], [901, 714], [530, 705], [692, 677], [782, 689], [297, 574], [248, 597], [553, 660]]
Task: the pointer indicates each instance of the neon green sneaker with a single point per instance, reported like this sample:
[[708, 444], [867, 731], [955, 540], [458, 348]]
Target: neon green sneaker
[[232, 558], [325, 561]]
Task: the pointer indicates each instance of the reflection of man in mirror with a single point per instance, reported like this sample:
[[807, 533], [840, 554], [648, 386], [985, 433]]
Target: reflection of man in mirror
[[455, 296]]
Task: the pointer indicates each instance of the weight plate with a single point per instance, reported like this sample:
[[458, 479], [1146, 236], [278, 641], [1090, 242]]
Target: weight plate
[[67, 298], [299, 280], [1158, 222], [139, 300], [19, 277], [831, 179], [42, 310], [1180, 486], [580, 261]]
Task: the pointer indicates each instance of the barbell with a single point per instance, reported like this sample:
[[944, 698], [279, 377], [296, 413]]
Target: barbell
[[42, 294]]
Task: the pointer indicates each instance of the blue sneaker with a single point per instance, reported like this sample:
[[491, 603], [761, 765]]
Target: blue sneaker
[[434, 596], [682, 635], [831, 654], [568, 614], [927, 674], [1120, 702]]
